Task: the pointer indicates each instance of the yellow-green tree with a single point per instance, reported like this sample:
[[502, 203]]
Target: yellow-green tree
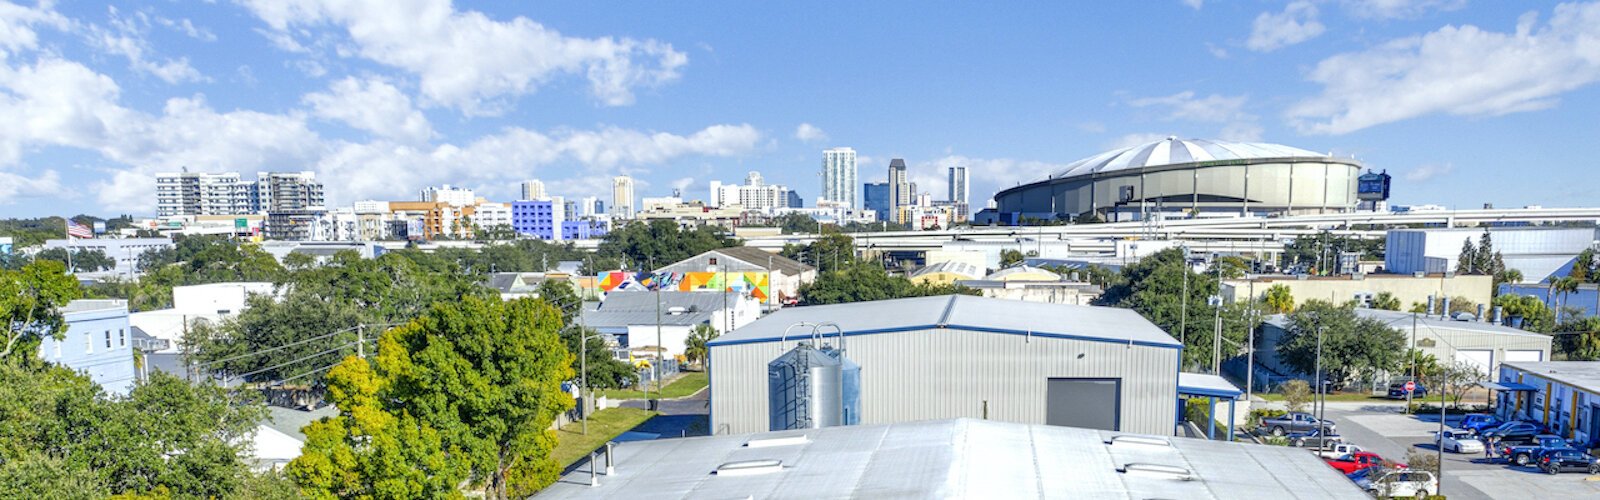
[[1279, 299], [463, 395]]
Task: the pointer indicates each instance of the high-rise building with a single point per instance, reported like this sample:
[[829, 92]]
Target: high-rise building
[[959, 190], [456, 197], [901, 191], [590, 207], [622, 206], [541, 219], [876, 198], [533, 190], [196, 193], [754, 194], [839, 176], [288, 191]]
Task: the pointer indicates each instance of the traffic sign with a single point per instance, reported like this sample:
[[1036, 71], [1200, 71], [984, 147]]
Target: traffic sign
[[1411, 386]]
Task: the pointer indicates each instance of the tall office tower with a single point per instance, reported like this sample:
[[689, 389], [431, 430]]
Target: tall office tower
[[959, 190], [622, 206], [533, 190], [455, 197], [901, 191], [839, 176], [875, 196], [195, 193], [287, 191], [589, 207]]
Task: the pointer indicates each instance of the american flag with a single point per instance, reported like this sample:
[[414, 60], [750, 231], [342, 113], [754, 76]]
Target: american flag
[[76, 230]]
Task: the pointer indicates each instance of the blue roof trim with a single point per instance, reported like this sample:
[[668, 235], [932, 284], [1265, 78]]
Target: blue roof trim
[[1197, 391], [968, 328]]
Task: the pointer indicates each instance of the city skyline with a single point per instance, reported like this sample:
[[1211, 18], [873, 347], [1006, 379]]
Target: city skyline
[[380, 105]]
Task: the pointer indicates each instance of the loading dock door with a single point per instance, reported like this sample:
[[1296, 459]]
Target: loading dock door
[[1090, 403]]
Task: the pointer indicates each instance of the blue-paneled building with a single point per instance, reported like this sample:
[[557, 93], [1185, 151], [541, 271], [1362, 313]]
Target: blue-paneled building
[[98, 342]]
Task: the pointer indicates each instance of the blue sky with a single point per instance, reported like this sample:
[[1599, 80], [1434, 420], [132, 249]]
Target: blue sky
[[1464, 102]]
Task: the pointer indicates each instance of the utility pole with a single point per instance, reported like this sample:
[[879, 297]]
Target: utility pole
[[1216, 340], [361, 342], [1250, 340], [1412, 353], [1183, 310], [1320, 404]]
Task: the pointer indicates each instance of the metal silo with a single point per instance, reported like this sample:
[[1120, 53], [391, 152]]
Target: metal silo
[[850, 386], [805, 389]]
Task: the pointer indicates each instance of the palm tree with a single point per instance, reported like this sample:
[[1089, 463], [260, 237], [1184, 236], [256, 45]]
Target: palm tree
[[695, 350], [1279, 299], [1565, 285]]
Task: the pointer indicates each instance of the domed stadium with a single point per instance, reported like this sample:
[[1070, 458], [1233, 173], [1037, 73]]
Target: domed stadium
[[1195, 176]]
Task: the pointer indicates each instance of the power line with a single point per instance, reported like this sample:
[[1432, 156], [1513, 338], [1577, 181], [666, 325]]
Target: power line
[[287, 363]]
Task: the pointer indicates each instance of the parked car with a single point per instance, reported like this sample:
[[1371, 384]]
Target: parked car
[[1397, 390], [1514, 432], [1357, 461], [1559, 461], [1479, 422], [1336, 450], [1458, 441], [1531, 453], [1314, 439], [1396, 482], [1296, 422]]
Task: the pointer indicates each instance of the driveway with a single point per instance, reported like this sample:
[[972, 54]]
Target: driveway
[[683, 417]]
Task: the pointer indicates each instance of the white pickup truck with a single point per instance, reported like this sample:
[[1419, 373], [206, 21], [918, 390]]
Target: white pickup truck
[[1336, 450]]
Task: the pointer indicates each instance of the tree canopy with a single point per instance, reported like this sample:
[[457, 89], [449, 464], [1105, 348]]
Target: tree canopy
[[657, 243], [31, 299], [1351, 345], [1155, 287], [864, 281], [463, 395]]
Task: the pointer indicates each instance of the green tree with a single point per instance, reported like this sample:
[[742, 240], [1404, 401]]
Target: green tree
[[1011, 257], [1386, 301], [31, 299], [605, 370], [828, 252], [864, 282], [797, 223], [1279, 299], [1526, 312], [1467, 261], [1155, 287], [464, 394], [1231, 266], [1583, 340], [657, 243], [1563, 286], [696, 351], [83, 259], [1351, 345], [1296, 394]]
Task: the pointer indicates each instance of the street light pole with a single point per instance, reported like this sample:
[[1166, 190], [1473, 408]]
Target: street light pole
[[1320, 404], [1443, 389]]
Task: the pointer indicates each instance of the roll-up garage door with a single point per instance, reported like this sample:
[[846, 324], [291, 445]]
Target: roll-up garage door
[[1091, 403], [1527, 356], [1481, 359]]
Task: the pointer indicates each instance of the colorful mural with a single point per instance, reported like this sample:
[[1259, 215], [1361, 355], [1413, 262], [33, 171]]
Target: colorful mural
[[753, 284]]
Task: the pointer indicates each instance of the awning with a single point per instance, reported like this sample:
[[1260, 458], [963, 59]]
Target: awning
[[1202, 384], [1508, 386]]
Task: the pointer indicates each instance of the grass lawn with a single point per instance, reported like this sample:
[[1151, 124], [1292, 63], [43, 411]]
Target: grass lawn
[[572, 444], [686, 384], [1337, 396]]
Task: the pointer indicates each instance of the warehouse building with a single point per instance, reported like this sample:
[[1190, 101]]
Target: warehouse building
[[1482, 344], [962, 356], [957, 458], [1538, 253], [1190, 175], [1362, 288], [1563, 395]]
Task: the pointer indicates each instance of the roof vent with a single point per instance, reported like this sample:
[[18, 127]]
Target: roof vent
[[1157, 471], [749, 467], [1139, 441], [779, 441]]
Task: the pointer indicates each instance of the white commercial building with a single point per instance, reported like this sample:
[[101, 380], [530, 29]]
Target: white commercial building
[[1538, 253], [202, 193], [839, 183], [959, 356], [533, 190], [635, 319], [456, 197], [197, 304], [754, 194], [125, 252], [490, 215], [622, 206]]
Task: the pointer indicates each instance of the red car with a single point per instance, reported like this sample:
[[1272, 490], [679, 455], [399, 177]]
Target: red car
[[1359, 460]]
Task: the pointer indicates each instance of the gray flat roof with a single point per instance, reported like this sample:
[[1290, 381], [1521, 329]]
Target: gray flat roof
[[1402, 321], [1584, 375], [1205, 384], [961, 458], [85, 305], [962, 312]]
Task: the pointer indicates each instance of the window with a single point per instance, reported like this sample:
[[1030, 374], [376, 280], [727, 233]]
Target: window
[[108, 339], [88, 343], [122, 337]]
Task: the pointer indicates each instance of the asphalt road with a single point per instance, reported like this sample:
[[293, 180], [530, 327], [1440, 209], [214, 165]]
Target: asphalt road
[[685, 417]]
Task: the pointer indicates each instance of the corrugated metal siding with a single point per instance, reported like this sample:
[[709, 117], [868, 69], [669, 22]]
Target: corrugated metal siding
[[935, 374]]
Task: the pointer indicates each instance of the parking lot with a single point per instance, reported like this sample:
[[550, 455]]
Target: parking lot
[[1385, 429]]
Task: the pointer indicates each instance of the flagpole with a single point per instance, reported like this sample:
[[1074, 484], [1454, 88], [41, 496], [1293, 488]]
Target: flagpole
[[67, 225]]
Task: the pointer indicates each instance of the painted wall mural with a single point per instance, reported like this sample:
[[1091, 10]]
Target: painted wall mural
[[754, 284]]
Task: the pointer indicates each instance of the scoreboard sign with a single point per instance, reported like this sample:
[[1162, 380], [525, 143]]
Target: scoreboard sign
[[1372, 187]]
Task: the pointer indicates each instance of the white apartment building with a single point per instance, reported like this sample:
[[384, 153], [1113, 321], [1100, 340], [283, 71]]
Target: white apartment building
[[456, 197], [533, 190], [227, 193], [288, 191], [755, 194], [839, 182], [492, 214], [622, 206]]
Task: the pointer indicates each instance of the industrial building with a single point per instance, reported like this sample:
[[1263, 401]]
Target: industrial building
[[1481, 343], [1538, 253], [962, 356], [1407, 288], [945, 273], [1193, 175], [771, 278], [956, 458], [1563, 395]]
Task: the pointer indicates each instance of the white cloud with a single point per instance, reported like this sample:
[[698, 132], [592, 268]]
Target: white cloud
[[1297, 23], [1399, 9], [127, 38], [1194, 4], [468, 61], [17, 25], [1429, 171], [187, 27], [1217, 52], [372, 105], [1459, 70], [1238, 125], [44, 185], [810, 134]]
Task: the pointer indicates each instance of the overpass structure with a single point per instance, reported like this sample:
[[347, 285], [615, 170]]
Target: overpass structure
[[1242, 234]]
